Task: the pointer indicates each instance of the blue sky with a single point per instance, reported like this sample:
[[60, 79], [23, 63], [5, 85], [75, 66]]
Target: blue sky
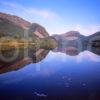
[[57, 16]]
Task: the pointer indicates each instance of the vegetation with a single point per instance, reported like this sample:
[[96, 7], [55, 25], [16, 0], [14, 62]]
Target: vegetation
[[9, 43]]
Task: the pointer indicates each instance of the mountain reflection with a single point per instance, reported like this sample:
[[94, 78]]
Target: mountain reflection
[[71, 44]]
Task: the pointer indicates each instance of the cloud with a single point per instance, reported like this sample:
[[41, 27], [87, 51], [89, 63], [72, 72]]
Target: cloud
[[87, 30], [44, 13]]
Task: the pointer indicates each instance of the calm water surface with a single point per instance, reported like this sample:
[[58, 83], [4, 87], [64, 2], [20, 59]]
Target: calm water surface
[[57, 77]]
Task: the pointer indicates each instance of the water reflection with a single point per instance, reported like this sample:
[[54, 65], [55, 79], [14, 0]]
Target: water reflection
[[71, 44], [53, 75]]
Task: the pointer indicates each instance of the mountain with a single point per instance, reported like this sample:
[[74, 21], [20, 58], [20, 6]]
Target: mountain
[[14, 29], [95, 35], [11, 23], [15, 19], [69, 36], [93, 43], [73, 42], [37, 30], [8, 28], [72, 38]]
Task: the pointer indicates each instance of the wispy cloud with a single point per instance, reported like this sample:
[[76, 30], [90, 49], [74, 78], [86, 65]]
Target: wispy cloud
[[46, 17], [44, 13], [87, 30]]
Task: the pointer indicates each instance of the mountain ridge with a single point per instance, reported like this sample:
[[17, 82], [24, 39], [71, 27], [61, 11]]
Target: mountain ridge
[[33, 28]]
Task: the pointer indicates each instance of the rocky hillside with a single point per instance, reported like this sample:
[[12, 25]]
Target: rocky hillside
[[9, 25], [69, 36], [8, 28], [15, 19], [38, 31]]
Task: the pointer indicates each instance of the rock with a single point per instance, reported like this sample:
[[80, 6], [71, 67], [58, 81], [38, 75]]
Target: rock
[[15, 19], [38, 31], [10, 29]]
